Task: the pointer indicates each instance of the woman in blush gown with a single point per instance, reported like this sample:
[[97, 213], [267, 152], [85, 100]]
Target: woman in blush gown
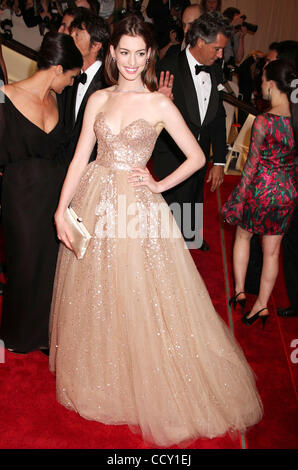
[[135, 338], [32, 138], [265, 198]]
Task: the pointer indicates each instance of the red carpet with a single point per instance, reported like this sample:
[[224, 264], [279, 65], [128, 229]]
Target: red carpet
[[268, 353], [32, 419]]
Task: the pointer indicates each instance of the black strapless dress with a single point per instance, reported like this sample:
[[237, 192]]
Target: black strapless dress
[[34, 170]]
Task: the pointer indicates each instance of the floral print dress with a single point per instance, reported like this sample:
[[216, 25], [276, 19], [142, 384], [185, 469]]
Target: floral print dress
[[264, 200]]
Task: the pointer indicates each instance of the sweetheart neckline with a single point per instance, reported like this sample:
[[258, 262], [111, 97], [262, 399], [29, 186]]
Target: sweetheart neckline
[[125, 127]]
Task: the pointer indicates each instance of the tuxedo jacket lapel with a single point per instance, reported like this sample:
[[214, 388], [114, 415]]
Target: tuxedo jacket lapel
[[188, 89], [96, 84], [213, 100]]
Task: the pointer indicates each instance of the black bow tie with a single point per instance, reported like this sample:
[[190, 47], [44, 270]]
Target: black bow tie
[[202, 68], [82, 78]]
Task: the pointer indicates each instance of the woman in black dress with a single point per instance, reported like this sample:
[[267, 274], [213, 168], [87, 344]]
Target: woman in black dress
[[3, 71], [32, 143]]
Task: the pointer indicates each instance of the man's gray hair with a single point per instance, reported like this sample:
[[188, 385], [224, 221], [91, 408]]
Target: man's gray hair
[[207, 27]]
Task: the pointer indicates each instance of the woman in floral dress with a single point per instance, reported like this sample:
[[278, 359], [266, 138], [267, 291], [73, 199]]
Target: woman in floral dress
[[264, 200]]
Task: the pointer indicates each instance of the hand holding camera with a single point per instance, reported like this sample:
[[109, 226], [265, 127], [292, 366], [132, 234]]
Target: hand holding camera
[[248, 27]]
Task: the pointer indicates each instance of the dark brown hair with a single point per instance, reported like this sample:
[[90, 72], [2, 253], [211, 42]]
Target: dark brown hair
[[207, 28], [285, 76], [95, 27], [58, 49], [132, 25]]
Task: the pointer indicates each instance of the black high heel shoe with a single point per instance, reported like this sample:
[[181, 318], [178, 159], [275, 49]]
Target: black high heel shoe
[[16, 351], [241, 302], [251, 320]]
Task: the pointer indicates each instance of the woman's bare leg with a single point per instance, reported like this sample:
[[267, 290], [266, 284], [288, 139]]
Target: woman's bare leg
[[240, 259], [271, 249]]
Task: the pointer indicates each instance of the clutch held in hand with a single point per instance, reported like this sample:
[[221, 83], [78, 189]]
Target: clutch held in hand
[[80, 235]]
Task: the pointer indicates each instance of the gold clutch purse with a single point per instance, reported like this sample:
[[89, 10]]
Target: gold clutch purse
[[80, 235]]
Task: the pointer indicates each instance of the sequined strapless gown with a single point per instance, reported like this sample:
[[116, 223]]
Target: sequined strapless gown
[[135, 338]]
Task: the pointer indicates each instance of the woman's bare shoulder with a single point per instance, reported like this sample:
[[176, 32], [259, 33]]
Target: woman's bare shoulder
[[99, 97], [160, 100], [8, 90], [17, 91], [104, 93]]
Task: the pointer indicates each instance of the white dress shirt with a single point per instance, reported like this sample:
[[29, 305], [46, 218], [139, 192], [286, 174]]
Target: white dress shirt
[[202, 83], [82, 88]]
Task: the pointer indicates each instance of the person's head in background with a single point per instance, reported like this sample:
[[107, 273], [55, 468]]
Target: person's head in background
[[92, 5], [189, 15], [68, 17], [287, 50], [233, 15], [91, 35], [272, 52], [210, 5]]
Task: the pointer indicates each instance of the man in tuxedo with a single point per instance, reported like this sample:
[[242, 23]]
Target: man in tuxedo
[[197, 93], [91, 36]]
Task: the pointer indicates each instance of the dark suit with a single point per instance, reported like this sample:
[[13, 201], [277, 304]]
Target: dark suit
[[290, 260], [167, 156], [74, 126], [163, 21]]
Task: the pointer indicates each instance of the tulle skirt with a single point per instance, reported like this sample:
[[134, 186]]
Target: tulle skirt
[[135, 338]]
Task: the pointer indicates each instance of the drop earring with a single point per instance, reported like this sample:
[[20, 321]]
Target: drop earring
[[269, 94]]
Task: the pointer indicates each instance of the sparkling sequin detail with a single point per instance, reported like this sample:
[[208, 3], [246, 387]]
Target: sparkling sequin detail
[[134, 335]]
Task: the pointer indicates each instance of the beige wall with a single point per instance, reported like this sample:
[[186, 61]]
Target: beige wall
[[277, 20], [18, 66]]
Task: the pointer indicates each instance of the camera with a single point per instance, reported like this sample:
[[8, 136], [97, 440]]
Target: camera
[[252, 28], [6, 25]]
